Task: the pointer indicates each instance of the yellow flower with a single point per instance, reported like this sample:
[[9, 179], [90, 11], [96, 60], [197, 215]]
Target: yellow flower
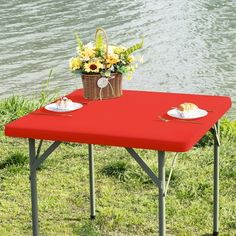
[[75, 63], [87, 53], [93, 66], [119, 50], [130, 58], [112, 59]]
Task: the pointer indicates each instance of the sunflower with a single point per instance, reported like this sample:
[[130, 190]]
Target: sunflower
[[75, 63], [93, 66]]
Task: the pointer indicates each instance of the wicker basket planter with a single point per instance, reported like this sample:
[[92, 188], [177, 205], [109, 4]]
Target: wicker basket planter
[[94, 90], [102, 66]]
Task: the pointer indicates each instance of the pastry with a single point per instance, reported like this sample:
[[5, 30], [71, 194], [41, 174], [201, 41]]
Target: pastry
[[187, 107], [64, 103]]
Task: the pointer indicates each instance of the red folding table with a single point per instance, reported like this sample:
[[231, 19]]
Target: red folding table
[[131, 121]]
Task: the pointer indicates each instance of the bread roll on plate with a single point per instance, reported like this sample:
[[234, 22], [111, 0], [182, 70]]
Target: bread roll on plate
[[186, 109], [187, 106]]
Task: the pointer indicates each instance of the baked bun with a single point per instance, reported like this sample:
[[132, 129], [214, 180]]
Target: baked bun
[[64, 103], [187, 106]]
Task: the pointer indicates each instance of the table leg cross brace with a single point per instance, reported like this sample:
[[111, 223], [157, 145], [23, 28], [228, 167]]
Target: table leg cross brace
[[144, 166], [171, 171], [40, 159]]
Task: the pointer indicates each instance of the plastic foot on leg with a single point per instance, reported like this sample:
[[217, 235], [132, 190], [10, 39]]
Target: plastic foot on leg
[[93, 218], [215, 233]]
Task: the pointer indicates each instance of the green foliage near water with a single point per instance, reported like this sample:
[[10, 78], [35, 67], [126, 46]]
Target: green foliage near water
[[126, 198], [227, 131]]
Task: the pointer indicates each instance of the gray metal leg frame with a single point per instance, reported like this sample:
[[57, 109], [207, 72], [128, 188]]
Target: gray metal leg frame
[[91, 181], [33, 186], [162, 201], [216, 134], [159, 181], [35, 162]]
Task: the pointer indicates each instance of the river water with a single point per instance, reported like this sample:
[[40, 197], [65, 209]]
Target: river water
[[189, 46]]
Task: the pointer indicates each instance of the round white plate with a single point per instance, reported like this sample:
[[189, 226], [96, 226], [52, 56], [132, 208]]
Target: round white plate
[[187, 115], [53, 107]]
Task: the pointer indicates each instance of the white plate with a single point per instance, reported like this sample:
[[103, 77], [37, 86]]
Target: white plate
[[53, 107], [187, 115]]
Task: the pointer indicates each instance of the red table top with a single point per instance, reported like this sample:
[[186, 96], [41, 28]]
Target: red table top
[[129, 121]]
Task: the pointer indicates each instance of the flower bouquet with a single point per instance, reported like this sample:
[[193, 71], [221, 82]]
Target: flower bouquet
[[102, 66]]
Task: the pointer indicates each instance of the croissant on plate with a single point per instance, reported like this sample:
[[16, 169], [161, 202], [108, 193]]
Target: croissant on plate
[[187, 106]]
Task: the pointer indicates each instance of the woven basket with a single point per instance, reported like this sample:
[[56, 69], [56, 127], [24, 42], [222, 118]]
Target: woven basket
[[92, 89], [93, 92]]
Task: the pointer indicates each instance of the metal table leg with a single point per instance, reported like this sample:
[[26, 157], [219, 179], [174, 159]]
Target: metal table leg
[[216, 181], [161, 176], [35, 161], [159, 181], [91, 182], [33, 186]]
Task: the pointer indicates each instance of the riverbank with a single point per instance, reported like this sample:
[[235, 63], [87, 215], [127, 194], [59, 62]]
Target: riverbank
[[126, 198]]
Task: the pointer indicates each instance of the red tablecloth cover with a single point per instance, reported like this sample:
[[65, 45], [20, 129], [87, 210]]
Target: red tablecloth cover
[[129, 121]]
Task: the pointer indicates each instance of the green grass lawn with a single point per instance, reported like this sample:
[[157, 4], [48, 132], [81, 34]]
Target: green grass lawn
[[126, 199]]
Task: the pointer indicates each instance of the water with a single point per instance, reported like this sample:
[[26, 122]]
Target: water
[[190, 46]]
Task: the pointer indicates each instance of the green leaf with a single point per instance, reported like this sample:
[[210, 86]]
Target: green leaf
[[99, 42], [134, 48], [79, 41], [107, 73], [122, 69]]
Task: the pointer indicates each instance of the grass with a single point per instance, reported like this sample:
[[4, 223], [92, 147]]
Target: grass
[[126, 198]]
